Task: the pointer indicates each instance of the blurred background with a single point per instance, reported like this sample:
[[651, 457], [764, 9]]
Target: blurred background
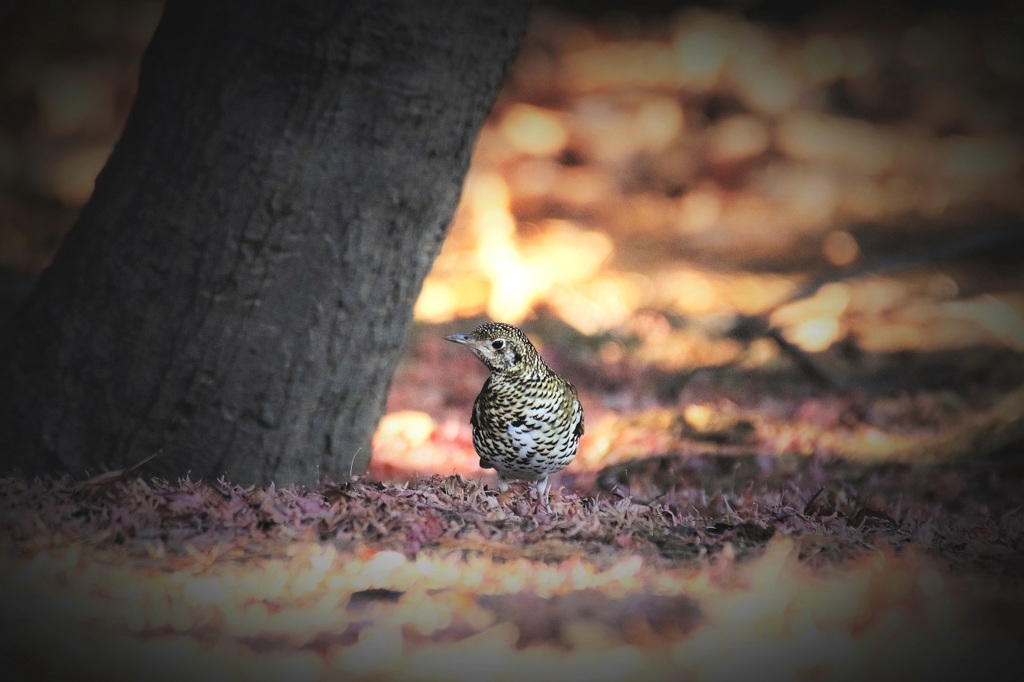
[[636, 160], [835, 192], [779, 254]]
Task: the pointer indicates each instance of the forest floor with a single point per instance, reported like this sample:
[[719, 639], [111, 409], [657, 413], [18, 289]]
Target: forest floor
[[773, 532]]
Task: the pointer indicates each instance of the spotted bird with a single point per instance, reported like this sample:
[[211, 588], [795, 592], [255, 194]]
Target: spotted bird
[[527, 420]]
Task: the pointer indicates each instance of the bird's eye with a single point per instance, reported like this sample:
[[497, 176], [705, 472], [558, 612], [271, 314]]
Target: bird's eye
[[498, 344]]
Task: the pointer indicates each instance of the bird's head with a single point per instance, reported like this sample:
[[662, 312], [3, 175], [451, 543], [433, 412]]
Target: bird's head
[[502, 347]]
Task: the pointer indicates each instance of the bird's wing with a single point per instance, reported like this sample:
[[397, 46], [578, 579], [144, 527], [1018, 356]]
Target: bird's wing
[[474, 420], [474, 416], [576, 399]]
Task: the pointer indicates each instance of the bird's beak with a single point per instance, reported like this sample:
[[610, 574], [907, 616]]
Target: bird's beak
[[458, 338]]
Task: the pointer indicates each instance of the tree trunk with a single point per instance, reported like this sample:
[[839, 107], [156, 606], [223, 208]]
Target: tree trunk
[[236, 293]]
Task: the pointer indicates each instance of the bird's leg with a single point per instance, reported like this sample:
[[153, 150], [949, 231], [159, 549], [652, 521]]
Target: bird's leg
[[543, 491], [502, 484]]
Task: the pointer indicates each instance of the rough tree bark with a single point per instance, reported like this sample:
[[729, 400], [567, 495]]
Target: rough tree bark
[[236, 293]]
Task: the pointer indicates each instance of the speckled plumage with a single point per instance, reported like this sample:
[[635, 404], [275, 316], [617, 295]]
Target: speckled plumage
[[527, 420]]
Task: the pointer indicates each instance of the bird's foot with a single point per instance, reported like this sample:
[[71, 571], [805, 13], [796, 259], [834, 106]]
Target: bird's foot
[[543, 487], [505, 494]]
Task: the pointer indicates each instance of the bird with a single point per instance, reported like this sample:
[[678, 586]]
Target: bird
[[527, 420]]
